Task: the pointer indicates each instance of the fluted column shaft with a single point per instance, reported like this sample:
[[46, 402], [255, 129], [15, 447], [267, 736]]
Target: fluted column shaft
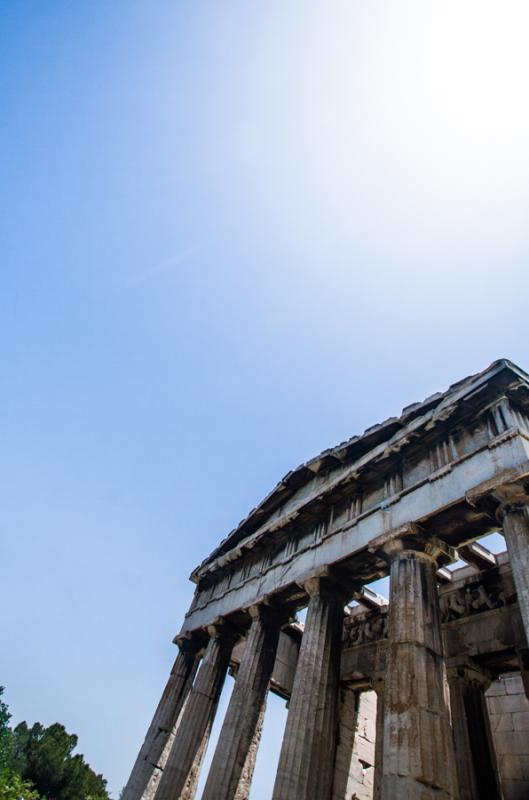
[[306, 763], [523, 661], [474, 751], [516, 532], [418, 758], [163, 722], [197, 718], [234, 756]]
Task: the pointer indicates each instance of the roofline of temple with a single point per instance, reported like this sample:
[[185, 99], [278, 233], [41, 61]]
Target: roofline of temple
[[353, 450]]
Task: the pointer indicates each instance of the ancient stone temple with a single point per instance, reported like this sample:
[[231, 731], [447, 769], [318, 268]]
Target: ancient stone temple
[[420, 696]]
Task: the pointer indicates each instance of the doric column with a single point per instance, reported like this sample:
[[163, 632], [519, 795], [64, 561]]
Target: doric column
[[418, 758], [234, 757], [474, 750], [183, 764], [516, 532], [523, 661], [378, 686], [164, 720], [306, 763]]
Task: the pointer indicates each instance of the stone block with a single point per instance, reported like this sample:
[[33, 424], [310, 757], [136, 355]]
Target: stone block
[[521, 723], [514, 685], [512, 768], [367, 716], [512, 743], [356, 772], [369, 777], [515, 790], [496, 689], [367, 729], [504, 705], [364, 750], [525, 765], [501, 722]]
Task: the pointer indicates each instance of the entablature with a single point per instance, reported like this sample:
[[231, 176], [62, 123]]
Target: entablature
[[428, 473]]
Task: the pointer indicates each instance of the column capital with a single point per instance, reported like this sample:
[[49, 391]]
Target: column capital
[[512, 498], [506, 509], [326, 584], [419, 546], [190, 642], [470, 673], [223, 629], [270, 614]]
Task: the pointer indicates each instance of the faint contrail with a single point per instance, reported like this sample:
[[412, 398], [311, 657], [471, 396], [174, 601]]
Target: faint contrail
[[164, 266]]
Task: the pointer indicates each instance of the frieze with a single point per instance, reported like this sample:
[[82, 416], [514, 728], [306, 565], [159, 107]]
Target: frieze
[[471, 599], [365, 629]]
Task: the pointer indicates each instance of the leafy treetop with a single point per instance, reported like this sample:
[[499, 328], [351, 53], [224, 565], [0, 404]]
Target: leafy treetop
[[39, 761]]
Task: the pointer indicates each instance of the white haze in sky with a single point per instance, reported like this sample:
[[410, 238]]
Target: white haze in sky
[[397, 127]]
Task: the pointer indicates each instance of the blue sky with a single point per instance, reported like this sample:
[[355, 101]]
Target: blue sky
[[233, 235]]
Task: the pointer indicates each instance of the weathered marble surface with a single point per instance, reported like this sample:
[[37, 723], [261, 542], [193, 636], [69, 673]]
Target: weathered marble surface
[[508, 708], [231, 770], [476, 765], [306, 763], [152, 757], [355, 755], [181, 771], [516, 530], [418, 756]]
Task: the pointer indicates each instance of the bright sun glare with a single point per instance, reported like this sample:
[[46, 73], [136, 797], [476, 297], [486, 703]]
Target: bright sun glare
[[415, 112]]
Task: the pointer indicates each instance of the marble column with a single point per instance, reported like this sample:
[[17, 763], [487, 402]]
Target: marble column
[[523, 661], [306, 763], [183, 764], [474, 750], [418, 758], [177, 689], [516, 532], [234, 759]]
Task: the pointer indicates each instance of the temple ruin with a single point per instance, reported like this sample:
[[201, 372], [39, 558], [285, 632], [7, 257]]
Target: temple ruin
[[422, 696]]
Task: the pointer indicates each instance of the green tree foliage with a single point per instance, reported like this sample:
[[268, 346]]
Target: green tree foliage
[[38, 763], [45, 757], [13, 787], [5, 733]]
